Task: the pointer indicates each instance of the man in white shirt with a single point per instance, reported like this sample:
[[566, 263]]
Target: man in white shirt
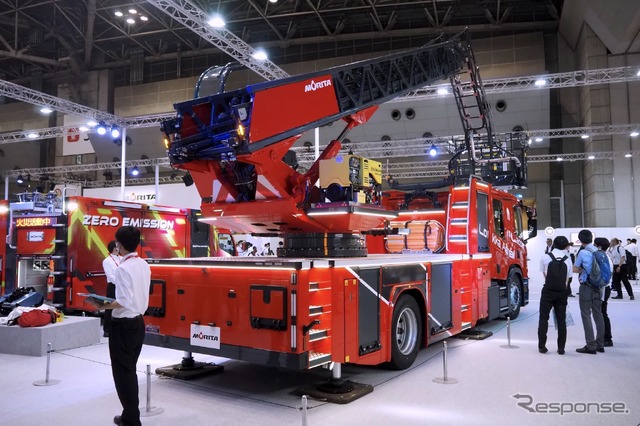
[[618, 257], [132, 279], [632, 266], [109, 266]]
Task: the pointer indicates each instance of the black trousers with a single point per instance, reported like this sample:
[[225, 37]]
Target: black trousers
[[622, 276], [106, 322], [125, 343], [605, 316], [558, 301], [632, 267]]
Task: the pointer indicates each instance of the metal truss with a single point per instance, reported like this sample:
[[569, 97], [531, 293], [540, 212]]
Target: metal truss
[[80, 168], [64, 106], [195, 19], [546, 81], [399, 170]]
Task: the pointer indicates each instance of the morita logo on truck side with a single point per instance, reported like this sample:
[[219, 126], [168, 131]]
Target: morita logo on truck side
[[315, 85], [97, 220], [205, 336]]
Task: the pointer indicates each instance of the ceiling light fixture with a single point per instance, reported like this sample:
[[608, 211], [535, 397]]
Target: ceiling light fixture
[[433, 151], [115, 132], [538, 139], [216, 21], [135, 171], [540, 82], [628, 156], [101, 129], [273, 1], [118, 13], [585, 136], [20, 179], [442, 91], [131, 21], [634, 134], [559, 159], [144, 18], [46, 110], [591, 157], [133, 11], [32, 135], [638, 74], [92, 123], [260, 55], [83, 128]]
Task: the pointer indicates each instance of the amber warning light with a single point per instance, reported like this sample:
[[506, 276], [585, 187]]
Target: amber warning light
[[31, 222]]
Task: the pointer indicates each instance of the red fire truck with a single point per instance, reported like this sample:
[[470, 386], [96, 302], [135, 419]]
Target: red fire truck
[[59, 244], [366, 275]]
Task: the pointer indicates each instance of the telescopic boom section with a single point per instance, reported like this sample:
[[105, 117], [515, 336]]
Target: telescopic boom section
[[234, 143]]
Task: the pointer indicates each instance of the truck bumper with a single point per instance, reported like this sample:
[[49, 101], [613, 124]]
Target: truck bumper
[[252, 355]]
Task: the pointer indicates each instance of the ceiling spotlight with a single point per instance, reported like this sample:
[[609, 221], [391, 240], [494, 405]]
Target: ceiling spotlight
[[559, 159], [20, 179], [92, 123], [540, 82], [133, 11], [638, 74], [131, 21], [260, 55], [46, 110], [529, 141], [118, 13], [32, 135], [591, 157], [216, 22], [634, 134], [101, 129], [144, 18], [273, 1], [115, 132], [433, 151], [538, 139], [628, 156], [135, 171], [83, 128], [442, 91], [585, 136]]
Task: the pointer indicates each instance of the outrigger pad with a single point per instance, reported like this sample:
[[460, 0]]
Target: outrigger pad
[[474, 334], [180, 372], [335, 391]]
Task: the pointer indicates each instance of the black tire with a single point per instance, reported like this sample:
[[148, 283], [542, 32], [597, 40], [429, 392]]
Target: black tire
[[514, 294], [406, 332]]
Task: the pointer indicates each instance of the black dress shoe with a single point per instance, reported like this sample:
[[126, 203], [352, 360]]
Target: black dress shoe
[[586, 350], [118, 420], [632, 298], [617, 297], [572, 295], [561, 351], [601, 350], [543, 350], [608, 343]]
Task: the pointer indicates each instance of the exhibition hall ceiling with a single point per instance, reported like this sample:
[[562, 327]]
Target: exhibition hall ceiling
[[55, 41]]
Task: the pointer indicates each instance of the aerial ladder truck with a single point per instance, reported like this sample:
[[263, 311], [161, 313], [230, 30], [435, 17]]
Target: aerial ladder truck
[[367, 275]]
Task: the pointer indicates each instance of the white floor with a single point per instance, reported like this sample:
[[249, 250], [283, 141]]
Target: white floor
[[489, 378]]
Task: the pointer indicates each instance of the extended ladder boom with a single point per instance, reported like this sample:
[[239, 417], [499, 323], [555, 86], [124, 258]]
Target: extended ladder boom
[[222, 126]]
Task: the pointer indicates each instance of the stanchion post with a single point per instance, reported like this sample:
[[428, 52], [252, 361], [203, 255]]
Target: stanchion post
[[149, 410], [304, 410], [47, 381], [509, 345], [445, 380]]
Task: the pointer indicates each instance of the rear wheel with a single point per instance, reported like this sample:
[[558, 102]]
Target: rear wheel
[[406, 329], [514, 294]]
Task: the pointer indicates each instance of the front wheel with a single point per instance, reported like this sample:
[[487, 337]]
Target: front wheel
[[514, 294], [406, 329]]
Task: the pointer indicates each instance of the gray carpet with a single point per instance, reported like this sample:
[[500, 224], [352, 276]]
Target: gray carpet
[[492, 382]]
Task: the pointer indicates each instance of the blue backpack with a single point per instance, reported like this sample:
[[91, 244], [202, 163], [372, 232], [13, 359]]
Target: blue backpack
[[600, 273]]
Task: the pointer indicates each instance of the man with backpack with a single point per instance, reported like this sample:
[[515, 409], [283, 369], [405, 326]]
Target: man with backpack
[[592, 267], [557, 270]]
